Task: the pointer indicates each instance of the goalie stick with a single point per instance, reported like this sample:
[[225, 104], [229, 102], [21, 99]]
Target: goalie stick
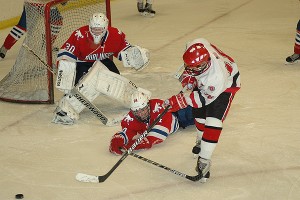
[[191, 178], [99, 179], [89, 105]]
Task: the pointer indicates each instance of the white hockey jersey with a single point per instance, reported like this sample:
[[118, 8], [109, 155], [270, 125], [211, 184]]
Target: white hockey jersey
[[222, 76]]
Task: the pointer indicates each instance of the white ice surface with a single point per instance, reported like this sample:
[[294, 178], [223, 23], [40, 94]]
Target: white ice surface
[[258, 155]]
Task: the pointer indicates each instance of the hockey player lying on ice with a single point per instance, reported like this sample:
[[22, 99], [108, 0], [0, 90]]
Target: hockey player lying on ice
[[142, 113], [77, 67]]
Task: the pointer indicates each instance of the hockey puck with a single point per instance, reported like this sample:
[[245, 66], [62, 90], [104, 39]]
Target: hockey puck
[[19, 196]]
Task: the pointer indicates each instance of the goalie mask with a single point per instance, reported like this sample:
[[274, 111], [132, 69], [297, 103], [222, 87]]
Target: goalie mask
[[98, 26], [140, 107], [196, 59]]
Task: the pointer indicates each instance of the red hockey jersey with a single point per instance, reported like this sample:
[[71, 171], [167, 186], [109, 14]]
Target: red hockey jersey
[[132, 128], [81, 47]]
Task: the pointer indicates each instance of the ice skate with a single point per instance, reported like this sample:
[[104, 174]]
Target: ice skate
[[148, 11], [3, 51], [61, 117], [140, 7], [292, 59], [203, 166]]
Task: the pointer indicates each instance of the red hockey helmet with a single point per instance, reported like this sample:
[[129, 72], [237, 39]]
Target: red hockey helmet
[[196, 59]]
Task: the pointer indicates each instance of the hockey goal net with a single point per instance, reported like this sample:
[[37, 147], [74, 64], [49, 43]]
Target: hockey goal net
[[49, 25]]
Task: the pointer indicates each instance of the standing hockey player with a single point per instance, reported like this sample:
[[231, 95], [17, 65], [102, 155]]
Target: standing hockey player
[[14, 35], [87, 52], [142, 113], [296, 56], [213, 78], [147, 10], [20, 29]]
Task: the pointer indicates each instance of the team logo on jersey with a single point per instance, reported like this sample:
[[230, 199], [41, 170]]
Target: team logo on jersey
[[157, 108], [211, 88], [98, 56], [78, 34], [128, 119]]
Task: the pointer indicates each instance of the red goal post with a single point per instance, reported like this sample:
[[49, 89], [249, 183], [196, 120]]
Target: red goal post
[[49, 24]]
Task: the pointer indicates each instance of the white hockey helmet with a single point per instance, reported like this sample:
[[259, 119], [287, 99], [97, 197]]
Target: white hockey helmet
[[140, 106], [98, 26]]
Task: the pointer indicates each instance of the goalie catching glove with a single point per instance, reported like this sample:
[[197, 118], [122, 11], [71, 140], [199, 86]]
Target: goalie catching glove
[[176, 102], [135, 57]]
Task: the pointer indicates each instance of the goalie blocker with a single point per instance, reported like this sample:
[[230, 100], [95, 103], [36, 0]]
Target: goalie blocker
[[98, 80]]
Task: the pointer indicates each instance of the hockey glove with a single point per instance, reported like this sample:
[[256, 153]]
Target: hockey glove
[[117, 142], [176, 102], [188, 80]]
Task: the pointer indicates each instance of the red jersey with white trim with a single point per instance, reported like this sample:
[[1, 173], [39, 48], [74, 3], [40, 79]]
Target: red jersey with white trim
[[132, 128], [81, 47], [222, 76]]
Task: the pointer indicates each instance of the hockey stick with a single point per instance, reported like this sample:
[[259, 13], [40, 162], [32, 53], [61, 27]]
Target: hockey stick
[[89, 105], [179, 71], [99, 179], [191, 178]]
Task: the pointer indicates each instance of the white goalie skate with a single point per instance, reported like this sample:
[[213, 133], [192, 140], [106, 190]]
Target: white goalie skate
[[62, 118]]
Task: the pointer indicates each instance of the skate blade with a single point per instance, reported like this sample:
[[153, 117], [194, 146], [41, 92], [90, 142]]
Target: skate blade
[[146, 14], [292, 63], [203, 180]]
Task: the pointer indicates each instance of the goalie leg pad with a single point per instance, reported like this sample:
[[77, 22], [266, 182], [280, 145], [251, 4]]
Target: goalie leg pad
[[65, 75], [136, 57], [117, 87], [87, 86], [100, 80]]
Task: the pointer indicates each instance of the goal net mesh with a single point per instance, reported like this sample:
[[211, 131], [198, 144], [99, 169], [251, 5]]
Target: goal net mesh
[[49, 25]]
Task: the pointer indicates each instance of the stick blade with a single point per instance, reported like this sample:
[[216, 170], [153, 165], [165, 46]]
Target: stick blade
[[87, 178], [195, 178]]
